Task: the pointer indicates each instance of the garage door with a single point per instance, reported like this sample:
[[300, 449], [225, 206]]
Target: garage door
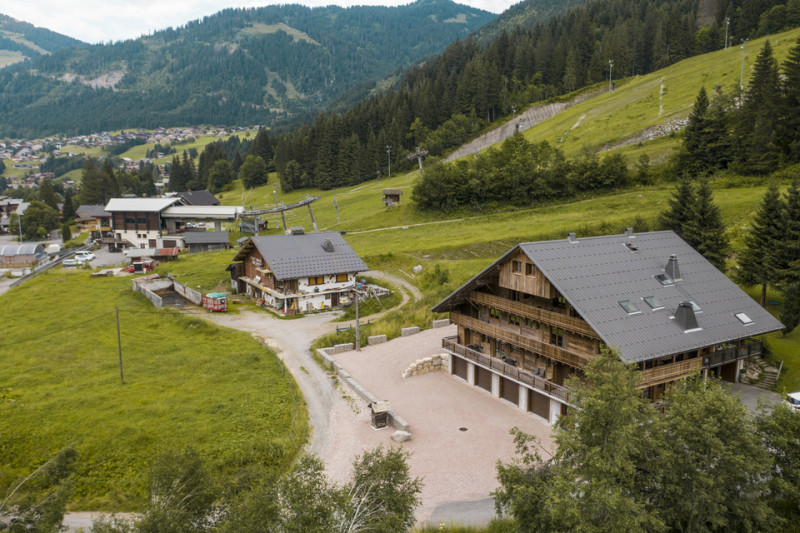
[[459, 367], [483, 378], [539, 404], [509, 390]]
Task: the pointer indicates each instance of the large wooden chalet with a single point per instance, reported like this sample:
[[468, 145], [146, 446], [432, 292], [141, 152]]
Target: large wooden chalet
[[543, 310], [298, 272]]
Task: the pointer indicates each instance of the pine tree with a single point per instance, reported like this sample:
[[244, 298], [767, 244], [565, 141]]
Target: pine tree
[[759, 258], [790, 315], [47, 194], [704, 230], [680, 208], [756, 135], [92, 191], [788, 268], [66, 232], [790, 112], [177, 176], [693, 134], [68, 211]]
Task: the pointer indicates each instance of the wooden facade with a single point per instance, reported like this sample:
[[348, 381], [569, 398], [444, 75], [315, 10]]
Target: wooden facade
[[515, 323]]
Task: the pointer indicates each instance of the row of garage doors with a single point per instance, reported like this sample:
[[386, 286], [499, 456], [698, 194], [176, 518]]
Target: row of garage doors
[[538, 404]]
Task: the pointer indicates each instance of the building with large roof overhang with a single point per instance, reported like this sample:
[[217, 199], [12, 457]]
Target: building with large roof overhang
[[544, 309]]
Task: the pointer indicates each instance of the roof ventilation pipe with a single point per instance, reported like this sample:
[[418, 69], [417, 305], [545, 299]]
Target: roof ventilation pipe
[[685, 316], [671, 270], [327, 245], [629, 232], [571, 237]]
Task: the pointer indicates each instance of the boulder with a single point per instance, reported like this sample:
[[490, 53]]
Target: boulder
[[401, 436]]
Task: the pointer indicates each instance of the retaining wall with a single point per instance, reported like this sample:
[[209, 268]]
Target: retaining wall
[[190, 294]]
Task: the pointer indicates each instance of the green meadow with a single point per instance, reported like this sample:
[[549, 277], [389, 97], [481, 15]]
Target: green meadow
[[187, 383]]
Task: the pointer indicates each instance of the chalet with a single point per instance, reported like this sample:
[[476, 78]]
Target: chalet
[[137, 222], [95, 219], [296, 273], [206, 241], [391, 196], [543, 310]]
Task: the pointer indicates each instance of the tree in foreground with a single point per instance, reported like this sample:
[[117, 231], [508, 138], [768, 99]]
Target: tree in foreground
[[622, 466], [779, 428], [758, 261], [790, 315], [789, 256], [253, 172], [680, 207]]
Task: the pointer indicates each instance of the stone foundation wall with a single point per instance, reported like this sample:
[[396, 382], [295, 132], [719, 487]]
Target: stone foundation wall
[[427, 364]]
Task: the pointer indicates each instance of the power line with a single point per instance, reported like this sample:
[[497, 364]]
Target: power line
[[54, 332]]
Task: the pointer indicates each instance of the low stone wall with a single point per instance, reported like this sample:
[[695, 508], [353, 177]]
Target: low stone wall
[[427, 364], [405, 332], [377, 339], [443, 323], [326, 354]]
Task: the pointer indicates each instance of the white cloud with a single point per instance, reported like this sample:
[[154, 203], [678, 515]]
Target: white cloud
[[114, 20]]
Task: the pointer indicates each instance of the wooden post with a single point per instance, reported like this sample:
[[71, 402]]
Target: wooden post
[[358, 331], [119, 346]]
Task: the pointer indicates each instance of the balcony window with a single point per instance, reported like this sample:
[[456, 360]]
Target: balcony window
[[494, 313], [556, 336], [513, 320], [317, 280], [341, 278]]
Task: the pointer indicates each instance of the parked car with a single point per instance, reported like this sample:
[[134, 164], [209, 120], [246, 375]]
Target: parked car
[[84, 256], [793, 399], [71, 262]]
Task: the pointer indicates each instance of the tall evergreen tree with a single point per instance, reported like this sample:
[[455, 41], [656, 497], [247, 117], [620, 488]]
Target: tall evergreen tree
[[693, 134], [788, 268], [790, 112], [704, 230], [92, 191], [758, 261], [47, 194], [110, 185], [790, 315], [68, 211], [756, 135], [680, 208]]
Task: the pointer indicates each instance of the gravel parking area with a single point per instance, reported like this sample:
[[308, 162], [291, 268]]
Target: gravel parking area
[[458, 465]]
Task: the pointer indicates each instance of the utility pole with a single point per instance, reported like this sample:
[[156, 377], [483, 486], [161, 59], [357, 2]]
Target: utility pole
[[275, 190], [389, 153], [19, 221], [741, 74], [337, 209], [610, 68], [727, 23], [358, 329], [119, 346]]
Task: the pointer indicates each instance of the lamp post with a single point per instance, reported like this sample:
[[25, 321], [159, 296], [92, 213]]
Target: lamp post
[[741, 74], [19, 222], [610, 68], [389, 153], [727, 23], [275, 190], [358, 329]]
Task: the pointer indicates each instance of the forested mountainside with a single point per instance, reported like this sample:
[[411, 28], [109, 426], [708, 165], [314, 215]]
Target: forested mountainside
[[526, 15], [443, 102], [20, 41], [239, 66]]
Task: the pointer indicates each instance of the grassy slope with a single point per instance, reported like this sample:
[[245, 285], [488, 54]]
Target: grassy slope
[[140, 151], [610, 118], [186, 383]]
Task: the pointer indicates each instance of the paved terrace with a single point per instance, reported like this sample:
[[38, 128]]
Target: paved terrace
[[458, 467]]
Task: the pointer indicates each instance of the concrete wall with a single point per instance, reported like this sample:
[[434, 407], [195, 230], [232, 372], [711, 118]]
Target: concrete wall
[[190, 294]]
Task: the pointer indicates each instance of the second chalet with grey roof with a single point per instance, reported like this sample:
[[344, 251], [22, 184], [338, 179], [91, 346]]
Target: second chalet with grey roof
[[648, 295]]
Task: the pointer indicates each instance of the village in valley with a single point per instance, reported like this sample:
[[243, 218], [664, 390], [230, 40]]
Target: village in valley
[[536, 315]]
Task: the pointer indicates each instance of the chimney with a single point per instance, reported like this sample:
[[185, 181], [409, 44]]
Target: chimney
[[685, 317], [629, 232], [571, 237], [327, 245], [671, 270], [296, 230]]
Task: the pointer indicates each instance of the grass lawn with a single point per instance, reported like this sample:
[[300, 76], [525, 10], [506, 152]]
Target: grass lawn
[[140, 151], [204, 271], [93, 151], [187, 383]]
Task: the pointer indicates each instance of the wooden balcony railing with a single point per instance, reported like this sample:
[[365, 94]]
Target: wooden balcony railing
[[732, 354], [536, 382], [574, 359], [669, 372], [550, 318]]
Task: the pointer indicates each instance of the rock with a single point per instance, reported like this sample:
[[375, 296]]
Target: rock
[[417, 269], [401, 436]]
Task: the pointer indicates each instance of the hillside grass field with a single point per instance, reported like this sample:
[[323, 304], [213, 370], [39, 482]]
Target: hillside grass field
[[140, 152], [638, 103], [187, 383]]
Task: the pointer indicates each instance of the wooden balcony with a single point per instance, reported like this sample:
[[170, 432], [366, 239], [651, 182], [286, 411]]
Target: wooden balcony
[[669, 372], [720, 357], [535, 382], [573, 359], [575, 325]]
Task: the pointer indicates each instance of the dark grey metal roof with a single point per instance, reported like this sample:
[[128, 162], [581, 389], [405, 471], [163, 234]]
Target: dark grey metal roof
[[205, 237], [199, 198], [594, 274], [92, 211], [298, 256]]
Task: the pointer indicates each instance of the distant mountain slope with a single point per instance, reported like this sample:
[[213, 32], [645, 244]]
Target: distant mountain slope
[[239, 66], [525, 15], [20, 41]]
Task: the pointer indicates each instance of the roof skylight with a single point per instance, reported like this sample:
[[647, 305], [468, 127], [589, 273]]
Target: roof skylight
[[654, 303], [665, 280], [629, 307], [743, 318]]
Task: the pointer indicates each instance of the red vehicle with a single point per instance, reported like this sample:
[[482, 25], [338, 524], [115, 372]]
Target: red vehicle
[[144, 266], [216, 301]]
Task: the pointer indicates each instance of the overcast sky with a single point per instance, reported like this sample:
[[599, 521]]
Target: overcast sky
[[96, 21]]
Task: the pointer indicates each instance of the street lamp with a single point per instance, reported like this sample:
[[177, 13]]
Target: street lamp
[[275, 190], [727, 23], [610, 68], [741, 74], [389, 153]]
